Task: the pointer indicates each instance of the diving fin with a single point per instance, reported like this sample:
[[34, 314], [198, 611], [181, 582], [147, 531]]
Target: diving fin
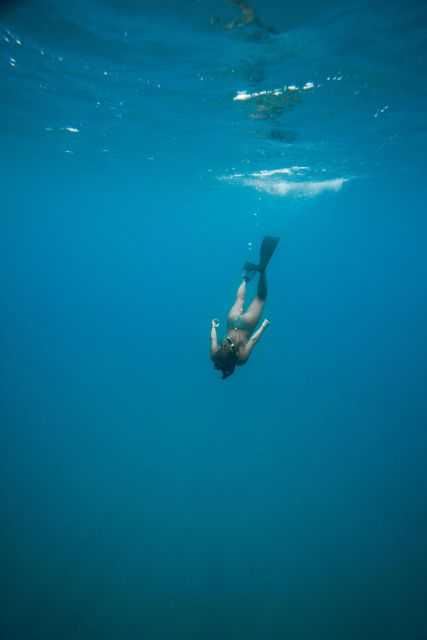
[[268, 247], [249, 271]]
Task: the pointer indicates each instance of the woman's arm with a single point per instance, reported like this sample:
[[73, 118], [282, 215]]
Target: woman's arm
[[214, 339], [254, 339]]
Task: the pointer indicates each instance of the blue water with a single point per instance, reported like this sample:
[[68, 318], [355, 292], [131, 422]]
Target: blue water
[[142, 497]]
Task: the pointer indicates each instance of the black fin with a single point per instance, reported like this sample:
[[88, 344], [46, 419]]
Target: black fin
[[268, 247], [249, 271]]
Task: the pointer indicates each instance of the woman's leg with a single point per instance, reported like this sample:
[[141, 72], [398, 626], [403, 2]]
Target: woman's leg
[[256, 307], [237, 308]]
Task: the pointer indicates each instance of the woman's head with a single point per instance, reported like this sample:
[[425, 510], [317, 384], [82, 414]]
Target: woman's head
[[225, 357]]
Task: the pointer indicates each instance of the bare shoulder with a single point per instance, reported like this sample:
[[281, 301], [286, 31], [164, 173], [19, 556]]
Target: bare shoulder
[[243, 356]]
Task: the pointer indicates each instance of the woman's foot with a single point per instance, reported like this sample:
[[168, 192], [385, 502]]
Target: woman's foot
[[249, 271]]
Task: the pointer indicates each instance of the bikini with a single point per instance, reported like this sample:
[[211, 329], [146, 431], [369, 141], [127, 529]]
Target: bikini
[[238, 323]]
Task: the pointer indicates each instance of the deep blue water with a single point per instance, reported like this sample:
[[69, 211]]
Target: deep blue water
[[142, 497]]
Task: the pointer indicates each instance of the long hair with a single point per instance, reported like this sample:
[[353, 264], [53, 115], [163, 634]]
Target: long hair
[[225, 358]]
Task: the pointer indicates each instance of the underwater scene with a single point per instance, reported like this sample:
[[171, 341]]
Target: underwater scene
[[187, 187]]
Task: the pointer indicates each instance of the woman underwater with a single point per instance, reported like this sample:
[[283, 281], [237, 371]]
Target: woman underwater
[[241, 336]]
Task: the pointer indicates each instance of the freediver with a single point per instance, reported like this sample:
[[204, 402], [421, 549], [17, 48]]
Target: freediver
[[241, 336]]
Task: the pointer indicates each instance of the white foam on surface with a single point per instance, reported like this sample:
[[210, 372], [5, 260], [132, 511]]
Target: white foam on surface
[[267, 182], [285, 188]]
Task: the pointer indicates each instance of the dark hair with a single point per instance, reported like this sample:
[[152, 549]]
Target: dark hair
[[225, 358], [226, 372]]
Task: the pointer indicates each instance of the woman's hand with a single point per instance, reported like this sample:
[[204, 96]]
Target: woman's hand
[[265, 323], [215, 323]]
